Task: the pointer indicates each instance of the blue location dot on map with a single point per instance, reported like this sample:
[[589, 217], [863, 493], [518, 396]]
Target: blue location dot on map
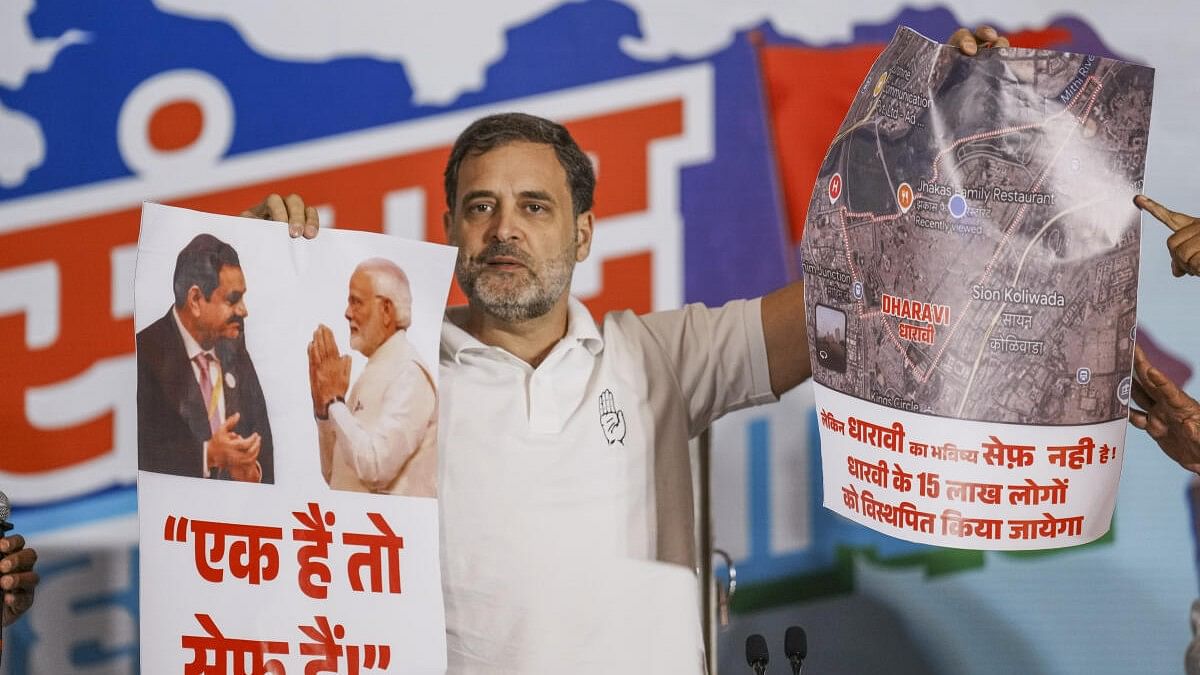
[[957, 206]]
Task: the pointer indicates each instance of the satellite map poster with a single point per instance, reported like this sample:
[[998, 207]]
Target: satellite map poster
[[971, 265]]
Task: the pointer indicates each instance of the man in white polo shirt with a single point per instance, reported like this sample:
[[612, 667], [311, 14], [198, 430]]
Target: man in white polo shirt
[[566, 468], [564, 482], [379, 435]]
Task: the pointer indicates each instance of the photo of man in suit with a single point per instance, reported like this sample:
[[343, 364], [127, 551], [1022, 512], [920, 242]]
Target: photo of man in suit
[[381, 434], [201, 410]]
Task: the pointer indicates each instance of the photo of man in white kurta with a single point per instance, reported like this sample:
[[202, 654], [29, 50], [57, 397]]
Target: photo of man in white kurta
[[380, 435]]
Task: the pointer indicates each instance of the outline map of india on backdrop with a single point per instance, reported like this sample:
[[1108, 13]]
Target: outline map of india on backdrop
[[68, 232], [971, 256]]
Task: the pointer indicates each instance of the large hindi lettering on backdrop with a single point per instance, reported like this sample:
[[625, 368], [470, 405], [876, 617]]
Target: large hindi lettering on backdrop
[[287, 447], [971, 260]]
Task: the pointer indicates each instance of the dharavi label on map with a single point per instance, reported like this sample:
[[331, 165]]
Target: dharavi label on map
[[971, 263]]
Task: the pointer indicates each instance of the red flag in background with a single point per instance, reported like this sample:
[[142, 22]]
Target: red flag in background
[[808, 91]]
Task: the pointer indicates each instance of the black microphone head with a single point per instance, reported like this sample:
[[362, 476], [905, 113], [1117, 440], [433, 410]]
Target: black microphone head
[[795, 642], [5, 507], [756, 651]]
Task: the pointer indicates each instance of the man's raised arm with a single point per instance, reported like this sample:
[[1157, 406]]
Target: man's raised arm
[[786, 334]]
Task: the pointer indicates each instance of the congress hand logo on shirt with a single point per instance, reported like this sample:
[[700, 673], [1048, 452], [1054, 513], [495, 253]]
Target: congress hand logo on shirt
[[611, 419]]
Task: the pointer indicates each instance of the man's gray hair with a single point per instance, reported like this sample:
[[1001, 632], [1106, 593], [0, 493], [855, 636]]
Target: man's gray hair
[[389, 281], [494, 131]]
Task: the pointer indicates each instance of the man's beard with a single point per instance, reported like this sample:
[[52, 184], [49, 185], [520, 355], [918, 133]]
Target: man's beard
[[235, 323], [507, 297]]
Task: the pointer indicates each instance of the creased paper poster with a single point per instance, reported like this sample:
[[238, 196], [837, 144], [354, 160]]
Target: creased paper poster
[[971, 262], [287, 448]]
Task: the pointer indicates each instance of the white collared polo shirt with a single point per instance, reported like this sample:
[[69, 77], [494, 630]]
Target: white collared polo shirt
[[565, 489]]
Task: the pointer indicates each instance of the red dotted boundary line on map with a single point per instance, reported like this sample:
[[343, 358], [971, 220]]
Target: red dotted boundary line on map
[[863, 314]]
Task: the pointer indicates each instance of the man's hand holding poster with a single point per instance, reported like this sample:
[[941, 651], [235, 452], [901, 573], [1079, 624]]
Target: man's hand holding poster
[[971, 266], [287, 434]]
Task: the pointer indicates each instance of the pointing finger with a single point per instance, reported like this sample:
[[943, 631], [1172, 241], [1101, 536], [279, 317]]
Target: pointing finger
[[1163, 214]]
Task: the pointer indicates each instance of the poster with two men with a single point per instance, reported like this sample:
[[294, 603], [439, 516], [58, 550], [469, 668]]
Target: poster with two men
[[287, 447]]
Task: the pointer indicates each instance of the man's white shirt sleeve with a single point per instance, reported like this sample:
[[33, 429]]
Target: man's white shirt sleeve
[[378, 453], [718, 356]]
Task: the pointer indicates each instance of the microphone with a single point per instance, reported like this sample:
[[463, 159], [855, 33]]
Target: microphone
[[795, 646], [5, 526], [756, 653]]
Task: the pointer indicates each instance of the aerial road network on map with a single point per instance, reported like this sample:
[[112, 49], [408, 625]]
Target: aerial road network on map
[[971, 264]]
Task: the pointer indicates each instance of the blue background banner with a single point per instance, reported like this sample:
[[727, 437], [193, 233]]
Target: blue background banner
[[213, 104]]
